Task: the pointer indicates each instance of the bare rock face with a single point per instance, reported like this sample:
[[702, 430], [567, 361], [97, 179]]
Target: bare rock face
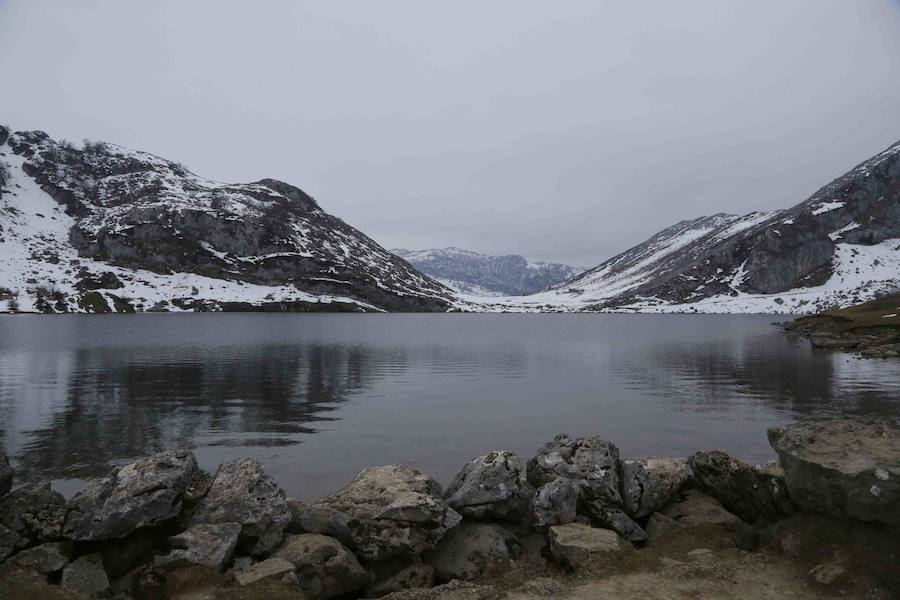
[[384, 512], [593, 462], [34, 512], [202, 544], [649, 483], [842, 467], [466, 550], [574, 544], [6, 475], [242, 492], [324, 567], [739, 487], [556, 503], [492, 486]]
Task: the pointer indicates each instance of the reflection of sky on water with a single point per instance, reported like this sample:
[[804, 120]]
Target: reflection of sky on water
[[318, 397]]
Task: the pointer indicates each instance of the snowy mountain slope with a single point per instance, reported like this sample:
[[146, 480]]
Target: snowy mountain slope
[[480, 274], [103, 229]]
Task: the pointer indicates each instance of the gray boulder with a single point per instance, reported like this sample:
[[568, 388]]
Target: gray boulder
[[34, 512], [574, 544], [6, 475], [607, 516], [556, 503], [738, 486], [325, 568], [86, 578], [843, 467], [242, 492], [207, 545], [45, 559], [395, 575], [649, 483], [384, 512], [592, 461], [492, 486], [141, 494], [466, 550]]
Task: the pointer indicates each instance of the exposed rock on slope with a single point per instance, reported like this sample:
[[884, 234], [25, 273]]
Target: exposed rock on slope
[[839, 247], [106, 229], [480, 274]]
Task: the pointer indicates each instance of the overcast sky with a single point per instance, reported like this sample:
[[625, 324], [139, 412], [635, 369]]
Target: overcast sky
[[562, 131]]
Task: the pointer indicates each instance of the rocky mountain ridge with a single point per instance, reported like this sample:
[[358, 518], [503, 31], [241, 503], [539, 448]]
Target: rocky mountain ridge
[[484, 275], [101, 228]]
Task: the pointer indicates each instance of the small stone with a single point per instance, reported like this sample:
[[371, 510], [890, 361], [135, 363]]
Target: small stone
[[574, 544], [204, 544], [269, 568], [467, 549], [827, 573], [85, 576], [45, 559]]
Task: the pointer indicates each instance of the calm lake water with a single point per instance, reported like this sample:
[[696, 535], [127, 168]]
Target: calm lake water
[[319, 397]]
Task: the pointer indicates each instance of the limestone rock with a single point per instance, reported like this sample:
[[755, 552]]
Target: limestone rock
[[6, 475], [34, 512], [612, 517], [466, 550], [207, 545], [269, 568], [649, 483], [141, 494], [574, 544], [325, 568], [45, 559], [242, 492], [738, 486], [384, 512], [86, 577], [394, 575], [556, 503], [843, 467], [492, 486], [592, 461]]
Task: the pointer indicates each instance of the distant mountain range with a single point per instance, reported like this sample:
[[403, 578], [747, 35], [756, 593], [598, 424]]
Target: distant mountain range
[[100, 228], [483, 275]]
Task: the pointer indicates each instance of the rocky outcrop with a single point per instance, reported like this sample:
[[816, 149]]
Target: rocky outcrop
[[465, 551], [242, 492], [324, 567], [592, 462], [141, 494], [574, 544], [491, 486], [845, 467], [385, 512]]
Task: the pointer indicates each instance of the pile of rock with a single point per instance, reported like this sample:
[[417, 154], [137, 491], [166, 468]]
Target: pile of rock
[[160, 524]]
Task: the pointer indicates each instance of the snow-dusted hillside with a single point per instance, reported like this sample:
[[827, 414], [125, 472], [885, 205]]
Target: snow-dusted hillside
[[106, 229], [839, 247], [483, 275]]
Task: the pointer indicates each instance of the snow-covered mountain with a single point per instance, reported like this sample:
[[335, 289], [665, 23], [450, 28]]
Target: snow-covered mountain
[[106, 229], [483, 275], [839, 247]]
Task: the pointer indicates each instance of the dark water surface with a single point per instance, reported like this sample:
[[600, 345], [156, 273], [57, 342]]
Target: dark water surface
[[319, 397]]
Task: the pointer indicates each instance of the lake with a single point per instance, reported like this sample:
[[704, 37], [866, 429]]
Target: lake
[[319, 397]]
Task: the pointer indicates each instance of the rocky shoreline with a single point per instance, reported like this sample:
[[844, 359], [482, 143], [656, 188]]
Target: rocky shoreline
[[576, 520]]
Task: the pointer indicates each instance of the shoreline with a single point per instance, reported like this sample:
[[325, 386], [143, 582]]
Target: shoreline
[[575, 514]]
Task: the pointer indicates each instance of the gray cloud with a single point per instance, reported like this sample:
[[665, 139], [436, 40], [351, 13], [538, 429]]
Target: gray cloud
[[561, 131]]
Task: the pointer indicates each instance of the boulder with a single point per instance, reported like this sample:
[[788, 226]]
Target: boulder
[[324, 567], [86, 578], [592, 461], [384, 512], [144, 493], [492, 486], [45, 559], [395, 575], [6, 475], [556, 503], [242, 492], [34, 512], [204, 544], [696, 508], [649, 483], [266, 569], [9, 539], [843, 467], [574, 544], [738, 486], [607, 516], [466, 550]]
